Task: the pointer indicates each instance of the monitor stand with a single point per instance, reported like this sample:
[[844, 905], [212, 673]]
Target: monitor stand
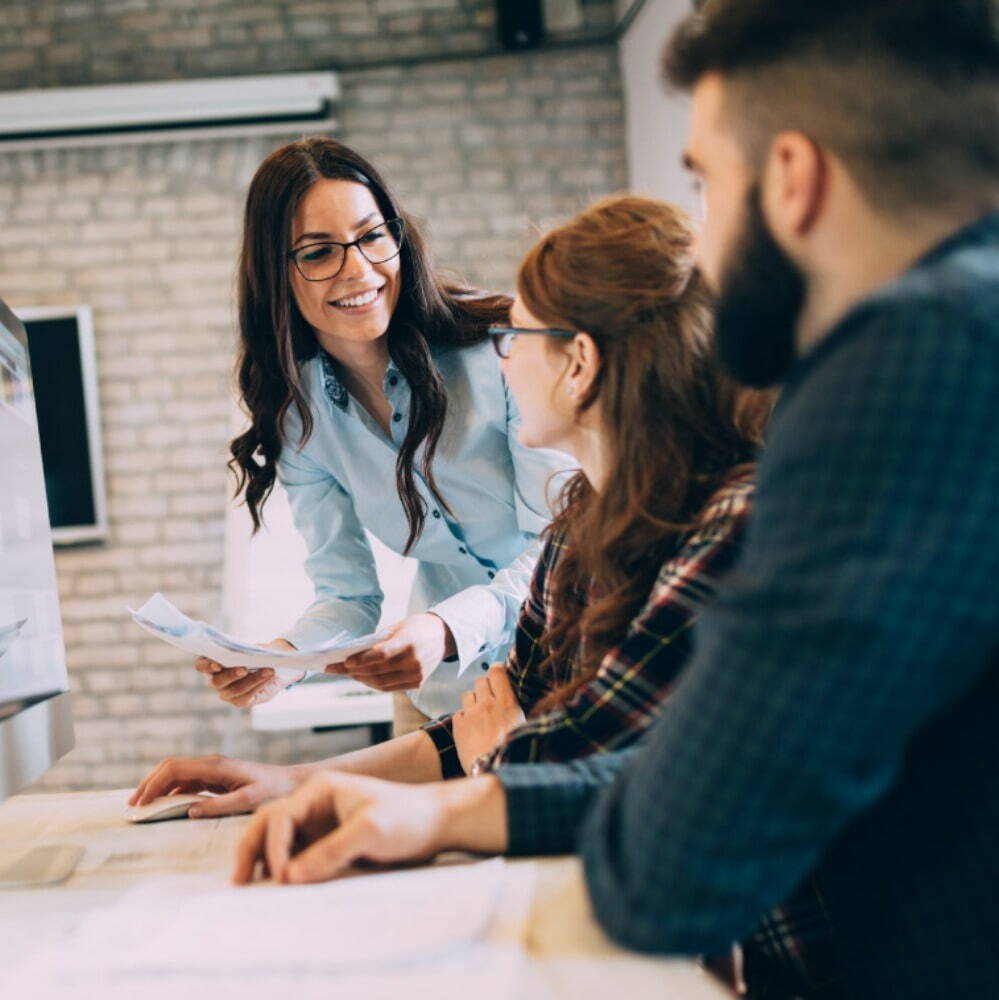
[[24, 868]]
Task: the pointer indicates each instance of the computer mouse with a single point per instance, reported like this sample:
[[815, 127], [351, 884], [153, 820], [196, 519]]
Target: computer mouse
[[165, 807]]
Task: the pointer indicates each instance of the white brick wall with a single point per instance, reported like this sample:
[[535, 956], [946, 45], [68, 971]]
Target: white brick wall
[[69, 42]]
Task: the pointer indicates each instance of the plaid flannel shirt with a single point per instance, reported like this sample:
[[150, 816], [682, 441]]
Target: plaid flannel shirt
[[619, 703]]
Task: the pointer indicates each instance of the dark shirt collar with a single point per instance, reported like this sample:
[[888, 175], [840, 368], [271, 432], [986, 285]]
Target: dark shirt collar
[[336, 391], [981, 232]]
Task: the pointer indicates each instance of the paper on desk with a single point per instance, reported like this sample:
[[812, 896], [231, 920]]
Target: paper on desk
[[8, 633], [450, 928], [168, 623]]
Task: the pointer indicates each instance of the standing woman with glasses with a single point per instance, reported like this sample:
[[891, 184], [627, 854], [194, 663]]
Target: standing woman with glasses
[[376, 400]]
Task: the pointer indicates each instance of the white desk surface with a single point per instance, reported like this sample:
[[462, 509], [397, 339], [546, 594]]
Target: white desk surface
[[565, 954], [343, 702]]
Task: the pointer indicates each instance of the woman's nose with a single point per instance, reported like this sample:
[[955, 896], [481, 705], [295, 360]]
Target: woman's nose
[[355, 264]]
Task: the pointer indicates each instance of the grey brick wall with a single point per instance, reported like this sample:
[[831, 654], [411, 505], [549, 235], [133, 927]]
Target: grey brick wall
[[482, 149], [71, 42]]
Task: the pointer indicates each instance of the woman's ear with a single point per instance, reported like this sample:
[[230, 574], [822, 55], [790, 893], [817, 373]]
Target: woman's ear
[[584, 366]]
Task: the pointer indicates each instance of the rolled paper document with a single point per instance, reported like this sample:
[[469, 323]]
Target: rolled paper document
[[164, 620]]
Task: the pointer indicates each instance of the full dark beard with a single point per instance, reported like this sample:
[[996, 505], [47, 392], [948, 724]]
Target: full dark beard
[[760, 296]]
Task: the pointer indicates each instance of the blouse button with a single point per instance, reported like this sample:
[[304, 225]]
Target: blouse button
[[490, 574], [437, 513], [393, 380], [462, 550], [396, 417]]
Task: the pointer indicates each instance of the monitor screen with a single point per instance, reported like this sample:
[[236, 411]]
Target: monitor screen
[[61, 353], [32, 655]]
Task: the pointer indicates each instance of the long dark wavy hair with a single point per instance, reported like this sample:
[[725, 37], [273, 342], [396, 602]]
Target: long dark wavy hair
[[275, 339], [678, 428]]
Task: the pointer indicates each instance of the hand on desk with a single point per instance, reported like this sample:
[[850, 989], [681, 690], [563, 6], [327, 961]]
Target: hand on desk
[[488, 712], [240, 785], [334, 819], [240, 686], [401, 661]]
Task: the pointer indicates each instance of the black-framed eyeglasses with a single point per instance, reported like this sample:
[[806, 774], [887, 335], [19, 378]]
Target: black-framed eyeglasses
[[324, 260], [504, 336]]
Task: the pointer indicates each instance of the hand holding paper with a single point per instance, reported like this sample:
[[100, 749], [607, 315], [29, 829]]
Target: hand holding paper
[[162, 619], [405, 655], [240, 687]]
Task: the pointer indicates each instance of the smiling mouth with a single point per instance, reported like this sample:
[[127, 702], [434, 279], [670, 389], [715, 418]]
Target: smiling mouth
[[351, 302]]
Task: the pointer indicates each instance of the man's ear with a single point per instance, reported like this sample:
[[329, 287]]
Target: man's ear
[[794, 184]]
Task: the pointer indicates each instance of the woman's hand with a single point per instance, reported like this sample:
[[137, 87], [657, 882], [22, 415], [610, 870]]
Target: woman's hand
[[488, 713], [335, 819], [240, 785], [242, 686], [401, 661]]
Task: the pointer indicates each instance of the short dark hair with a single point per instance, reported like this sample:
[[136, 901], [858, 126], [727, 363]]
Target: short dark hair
[[904, 92]]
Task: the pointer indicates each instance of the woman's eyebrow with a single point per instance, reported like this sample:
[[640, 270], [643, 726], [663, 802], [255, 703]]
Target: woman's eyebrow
[[326, 236]]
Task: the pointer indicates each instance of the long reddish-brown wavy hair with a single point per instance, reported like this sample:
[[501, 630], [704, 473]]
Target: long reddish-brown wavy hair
[[677, 427]]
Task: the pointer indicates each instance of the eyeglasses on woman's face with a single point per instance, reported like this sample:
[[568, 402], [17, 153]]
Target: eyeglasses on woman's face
[[324, 260], [504, 336]]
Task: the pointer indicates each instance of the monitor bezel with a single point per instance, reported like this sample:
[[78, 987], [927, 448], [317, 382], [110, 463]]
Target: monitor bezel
[[99, 530]]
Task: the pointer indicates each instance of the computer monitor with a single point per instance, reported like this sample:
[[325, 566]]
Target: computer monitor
[[64, 376], [35, 723]]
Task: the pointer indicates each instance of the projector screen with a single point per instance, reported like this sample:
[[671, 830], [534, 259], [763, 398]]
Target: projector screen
[[61, 348]]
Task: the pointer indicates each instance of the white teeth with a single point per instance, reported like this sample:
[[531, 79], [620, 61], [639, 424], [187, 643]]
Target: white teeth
[[359, 300]]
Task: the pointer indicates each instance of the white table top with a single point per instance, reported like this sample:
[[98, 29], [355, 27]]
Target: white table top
[[343, 702], [563, 953]]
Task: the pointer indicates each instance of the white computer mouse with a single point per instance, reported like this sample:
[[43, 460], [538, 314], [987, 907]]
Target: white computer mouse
[[165, 807]]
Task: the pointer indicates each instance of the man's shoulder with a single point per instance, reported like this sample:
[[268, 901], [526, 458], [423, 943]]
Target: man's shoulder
[[958, 283], [909, 378], [936, 323]]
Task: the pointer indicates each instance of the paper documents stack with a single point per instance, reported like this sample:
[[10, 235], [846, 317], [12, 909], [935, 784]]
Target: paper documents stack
[[437, 931], [166, 622]]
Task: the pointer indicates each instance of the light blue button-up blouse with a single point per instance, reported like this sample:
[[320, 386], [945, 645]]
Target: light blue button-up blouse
[[475, 564]]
